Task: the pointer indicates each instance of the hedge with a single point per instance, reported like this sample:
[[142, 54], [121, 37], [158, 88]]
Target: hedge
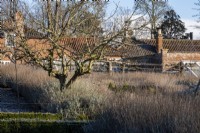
[[38, 123], [40, 116], [35, 126]]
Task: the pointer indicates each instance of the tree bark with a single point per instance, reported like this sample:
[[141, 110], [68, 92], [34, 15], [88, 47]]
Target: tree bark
[[62, 81], [69, 83]]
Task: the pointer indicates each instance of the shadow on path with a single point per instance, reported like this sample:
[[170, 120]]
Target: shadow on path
[[9, 102]]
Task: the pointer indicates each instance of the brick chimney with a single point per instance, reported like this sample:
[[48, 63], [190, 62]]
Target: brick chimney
[[19, 24], [159, 41]]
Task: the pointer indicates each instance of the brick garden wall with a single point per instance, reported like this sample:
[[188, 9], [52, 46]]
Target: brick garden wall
[[169, 60]]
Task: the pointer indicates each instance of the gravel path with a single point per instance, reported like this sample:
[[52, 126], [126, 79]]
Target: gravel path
[[9, 102]]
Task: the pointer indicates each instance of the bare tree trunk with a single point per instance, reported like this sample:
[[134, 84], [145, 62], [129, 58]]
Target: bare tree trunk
[[74, 77], [62, 81]]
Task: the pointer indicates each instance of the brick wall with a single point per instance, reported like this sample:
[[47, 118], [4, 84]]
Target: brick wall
[[40, 47], [169, 60], [2, 42]]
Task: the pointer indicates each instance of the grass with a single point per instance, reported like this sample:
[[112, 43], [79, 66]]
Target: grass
[[149, 103], [81, 101], [130, 102], [130, 113], [39, 126], [31, 115]]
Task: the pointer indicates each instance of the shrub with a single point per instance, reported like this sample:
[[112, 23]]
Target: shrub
[[142, 82], [28, 126], [132, 113], [134, 102], [81, 101], [39, 116]]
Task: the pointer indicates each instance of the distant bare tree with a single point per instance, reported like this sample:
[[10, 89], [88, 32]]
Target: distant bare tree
[[154, 10], [197, 4], [133, 25]]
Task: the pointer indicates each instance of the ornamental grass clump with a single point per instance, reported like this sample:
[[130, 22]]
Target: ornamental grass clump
[[132, 113], [83, 100]]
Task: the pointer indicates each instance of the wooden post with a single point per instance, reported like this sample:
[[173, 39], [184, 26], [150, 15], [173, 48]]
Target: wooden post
[[110, 66], [181, 67], [123, 67]]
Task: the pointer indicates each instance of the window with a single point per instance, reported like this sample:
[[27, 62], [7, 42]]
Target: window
[[10, 40]]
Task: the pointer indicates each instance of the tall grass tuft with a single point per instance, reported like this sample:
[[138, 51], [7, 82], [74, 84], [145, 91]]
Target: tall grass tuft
[[81, 101]]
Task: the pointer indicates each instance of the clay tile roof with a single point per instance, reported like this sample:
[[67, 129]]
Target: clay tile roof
[[113, 52], [133, 49], [182, 45], [32, 33], [79, 44], [145, 47], [136, 49], [176, 45], [151, 42]]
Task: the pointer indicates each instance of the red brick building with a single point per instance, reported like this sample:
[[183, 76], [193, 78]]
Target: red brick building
[[168, 53]]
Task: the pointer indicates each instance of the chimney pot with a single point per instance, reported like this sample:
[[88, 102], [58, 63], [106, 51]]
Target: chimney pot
[[191, 35], [159, 32], [159, 41]]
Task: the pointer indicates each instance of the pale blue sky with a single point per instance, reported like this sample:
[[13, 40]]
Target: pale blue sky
[[184, 8]]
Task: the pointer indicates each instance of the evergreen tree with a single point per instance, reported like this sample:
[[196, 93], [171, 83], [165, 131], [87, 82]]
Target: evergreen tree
[[172, 27]]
